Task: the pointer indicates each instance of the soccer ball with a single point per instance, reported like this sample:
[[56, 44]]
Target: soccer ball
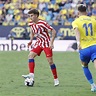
[[29, 82]]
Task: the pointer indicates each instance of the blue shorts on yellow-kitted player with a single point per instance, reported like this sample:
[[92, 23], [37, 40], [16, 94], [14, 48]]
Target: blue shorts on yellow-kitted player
[[88, 54]]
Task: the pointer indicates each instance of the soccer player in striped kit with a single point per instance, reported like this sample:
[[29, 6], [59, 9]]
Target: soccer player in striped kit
[[40, 29]]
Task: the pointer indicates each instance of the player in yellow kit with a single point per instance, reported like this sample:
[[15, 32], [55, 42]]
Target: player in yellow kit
[[85, 29]]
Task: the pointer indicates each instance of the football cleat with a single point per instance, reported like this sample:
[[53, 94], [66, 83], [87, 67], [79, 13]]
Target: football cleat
[[26, 76], [56, 82], [93, 88]]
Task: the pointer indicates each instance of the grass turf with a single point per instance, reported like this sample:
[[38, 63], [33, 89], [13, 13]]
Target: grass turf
[[72, 82]]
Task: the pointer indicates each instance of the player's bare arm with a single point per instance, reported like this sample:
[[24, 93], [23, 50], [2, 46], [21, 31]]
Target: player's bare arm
[[77, 34], [31, 38], [52, 39]]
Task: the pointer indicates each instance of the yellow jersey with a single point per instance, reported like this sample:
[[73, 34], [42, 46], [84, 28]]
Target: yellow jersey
[[87, 28]]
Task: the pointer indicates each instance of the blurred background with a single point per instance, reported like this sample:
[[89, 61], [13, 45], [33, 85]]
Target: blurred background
[[58, 13]]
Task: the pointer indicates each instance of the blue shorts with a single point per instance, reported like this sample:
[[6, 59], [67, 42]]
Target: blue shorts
[[88, 54]]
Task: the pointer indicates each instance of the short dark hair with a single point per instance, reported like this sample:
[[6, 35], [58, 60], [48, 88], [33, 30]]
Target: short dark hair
[[34, 11], [82, 8]]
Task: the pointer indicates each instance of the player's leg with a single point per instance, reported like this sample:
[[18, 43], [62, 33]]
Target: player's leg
[[85, 59], [94, 87], [49, 57], [29, 78], [93, 56], [88, 75], [31, 62], [34, 52]]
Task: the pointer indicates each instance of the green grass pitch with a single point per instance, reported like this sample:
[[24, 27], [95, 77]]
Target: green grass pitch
[[72, 81]]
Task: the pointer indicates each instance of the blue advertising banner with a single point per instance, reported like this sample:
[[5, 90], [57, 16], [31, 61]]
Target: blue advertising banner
[[22, 32]]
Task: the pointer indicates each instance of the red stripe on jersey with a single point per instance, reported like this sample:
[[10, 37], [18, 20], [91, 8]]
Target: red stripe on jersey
[[45, 24], [32, 28], [36, 29]]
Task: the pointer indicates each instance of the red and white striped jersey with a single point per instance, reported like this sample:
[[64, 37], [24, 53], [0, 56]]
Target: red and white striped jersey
[[40, 30]]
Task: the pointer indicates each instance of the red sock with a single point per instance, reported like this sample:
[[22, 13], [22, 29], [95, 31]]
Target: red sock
[[54, 72], [31, 65]]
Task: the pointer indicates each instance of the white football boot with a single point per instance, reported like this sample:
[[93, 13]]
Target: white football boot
[[56, 82], [30, 75], [93, 88]]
